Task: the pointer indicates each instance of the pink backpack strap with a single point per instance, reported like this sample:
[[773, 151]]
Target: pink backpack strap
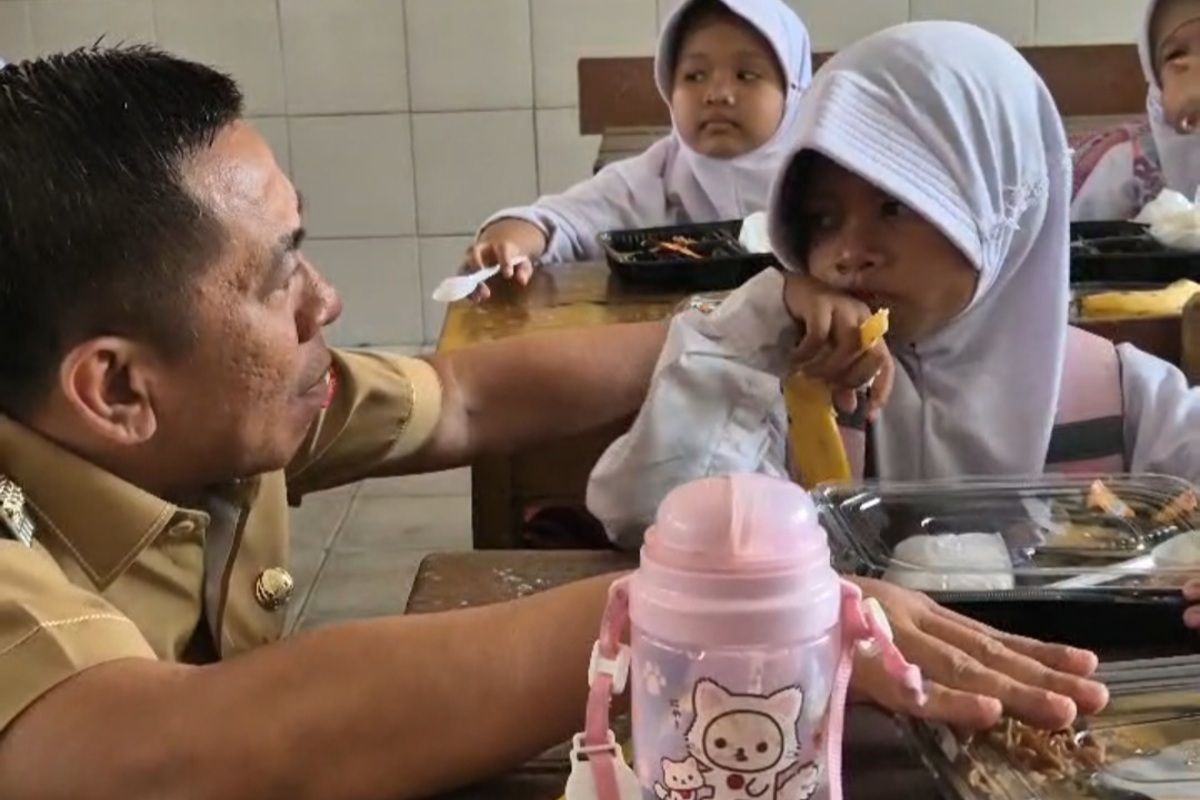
[[1090, 148], [1089, 427]]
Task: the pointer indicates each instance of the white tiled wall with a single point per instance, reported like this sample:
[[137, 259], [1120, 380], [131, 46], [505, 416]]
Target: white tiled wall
[[404, 122]]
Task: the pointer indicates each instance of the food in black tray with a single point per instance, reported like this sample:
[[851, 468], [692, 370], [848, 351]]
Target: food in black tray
[[1144, 745], [697, 247], [696, 257]]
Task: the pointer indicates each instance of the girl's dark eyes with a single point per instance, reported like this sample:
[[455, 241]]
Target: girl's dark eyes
[[693, 77], [893, 208], [818, 221], [748, 75]]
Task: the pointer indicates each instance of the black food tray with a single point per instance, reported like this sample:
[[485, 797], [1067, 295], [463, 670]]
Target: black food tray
[[1131, 621], [725, 264], [1125, 252]]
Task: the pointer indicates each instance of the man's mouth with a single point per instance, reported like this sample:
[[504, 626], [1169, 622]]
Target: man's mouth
[[330, 387], [325, 385]]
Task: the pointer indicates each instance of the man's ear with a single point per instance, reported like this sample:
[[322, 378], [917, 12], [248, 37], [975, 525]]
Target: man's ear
[[107, 381]]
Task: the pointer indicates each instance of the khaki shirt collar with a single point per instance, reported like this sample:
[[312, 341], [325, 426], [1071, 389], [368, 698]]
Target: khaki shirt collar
[[105, 521]]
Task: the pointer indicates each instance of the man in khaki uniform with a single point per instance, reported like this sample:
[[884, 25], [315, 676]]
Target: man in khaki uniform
[[166, 389]]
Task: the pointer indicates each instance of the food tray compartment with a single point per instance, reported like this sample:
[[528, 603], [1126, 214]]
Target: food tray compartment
[[1050, 557], [1050, 528], [701, 257], [1145, 744], [1116, 254]]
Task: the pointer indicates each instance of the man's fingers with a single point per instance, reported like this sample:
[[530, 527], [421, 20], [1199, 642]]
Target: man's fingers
[[954, 668]]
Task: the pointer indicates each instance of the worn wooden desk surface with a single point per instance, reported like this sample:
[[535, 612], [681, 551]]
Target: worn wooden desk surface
[[559, 296], [877, 761]]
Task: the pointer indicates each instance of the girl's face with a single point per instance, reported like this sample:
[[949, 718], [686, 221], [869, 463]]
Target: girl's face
[[1176, 33], [873, 247], [728, 95]]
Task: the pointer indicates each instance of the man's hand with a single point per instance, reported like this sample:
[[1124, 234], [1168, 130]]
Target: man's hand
[[974, 673], [1191, 593], [831, 346]]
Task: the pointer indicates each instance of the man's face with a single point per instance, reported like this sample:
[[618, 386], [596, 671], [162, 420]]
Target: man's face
[[241, 402]]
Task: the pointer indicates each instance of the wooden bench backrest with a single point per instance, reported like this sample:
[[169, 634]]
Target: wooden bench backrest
[[1086, 80]]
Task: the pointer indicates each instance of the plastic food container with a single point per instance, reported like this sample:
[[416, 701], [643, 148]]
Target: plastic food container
[[1112, 254], [1091, 560], [705, 257], [1144, 746]]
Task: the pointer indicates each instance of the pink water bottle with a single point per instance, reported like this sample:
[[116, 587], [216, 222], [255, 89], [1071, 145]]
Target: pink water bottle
[[742, 641]]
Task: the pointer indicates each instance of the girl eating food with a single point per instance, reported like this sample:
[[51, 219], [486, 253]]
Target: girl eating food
[[931, 177]]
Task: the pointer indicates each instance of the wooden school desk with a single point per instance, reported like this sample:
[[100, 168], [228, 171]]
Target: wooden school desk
[[878, 757], [504, 489]]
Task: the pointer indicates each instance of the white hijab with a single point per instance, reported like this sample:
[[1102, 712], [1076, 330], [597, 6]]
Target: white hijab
[[1178, 153], [953, 122], [670, 183], [736, 187]]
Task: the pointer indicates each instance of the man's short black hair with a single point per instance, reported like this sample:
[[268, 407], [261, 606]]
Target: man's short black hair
[[98, 233]]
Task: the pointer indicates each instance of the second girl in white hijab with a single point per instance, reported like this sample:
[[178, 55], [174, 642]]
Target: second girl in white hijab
[[1120, 170], [732, 72]]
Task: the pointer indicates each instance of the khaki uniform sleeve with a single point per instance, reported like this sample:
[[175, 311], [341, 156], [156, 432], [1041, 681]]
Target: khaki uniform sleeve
[[51, 629], [385, 408]]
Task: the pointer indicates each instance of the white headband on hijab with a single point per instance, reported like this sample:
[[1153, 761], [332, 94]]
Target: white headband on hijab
[[953, 122], [1178, 153]]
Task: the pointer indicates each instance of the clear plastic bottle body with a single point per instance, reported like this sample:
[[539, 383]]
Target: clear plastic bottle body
[[733, 723]]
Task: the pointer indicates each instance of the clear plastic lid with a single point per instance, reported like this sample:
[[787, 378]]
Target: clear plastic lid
[[1145, 744], [994, 534]]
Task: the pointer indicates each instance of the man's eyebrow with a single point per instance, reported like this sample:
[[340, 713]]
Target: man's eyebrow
[[290, 241]]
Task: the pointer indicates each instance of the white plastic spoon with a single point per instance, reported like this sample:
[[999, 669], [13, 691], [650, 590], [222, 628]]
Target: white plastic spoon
[[458, 287]]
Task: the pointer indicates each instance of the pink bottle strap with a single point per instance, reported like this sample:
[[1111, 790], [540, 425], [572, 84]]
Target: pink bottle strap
[[859, 626], [599, 702]]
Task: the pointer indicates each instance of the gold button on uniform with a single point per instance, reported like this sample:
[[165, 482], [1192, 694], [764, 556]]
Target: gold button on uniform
[[274, 588]]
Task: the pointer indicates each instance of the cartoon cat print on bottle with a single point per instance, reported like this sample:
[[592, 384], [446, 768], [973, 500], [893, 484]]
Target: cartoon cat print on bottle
[[747, 744], [683, 780]]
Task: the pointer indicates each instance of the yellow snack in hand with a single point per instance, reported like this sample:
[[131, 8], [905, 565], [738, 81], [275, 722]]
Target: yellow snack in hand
[[874, 328], [817, 452], [1167, 301]]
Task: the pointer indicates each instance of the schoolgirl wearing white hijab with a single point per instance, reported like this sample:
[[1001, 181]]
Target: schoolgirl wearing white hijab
[[1120, 170], [732, 72], [931, 176]]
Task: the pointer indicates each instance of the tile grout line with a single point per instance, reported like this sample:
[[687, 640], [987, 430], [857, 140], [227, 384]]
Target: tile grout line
[[345, 517], [533, 112], [287, 95], [412, 160], [326, 551], [287, 100]]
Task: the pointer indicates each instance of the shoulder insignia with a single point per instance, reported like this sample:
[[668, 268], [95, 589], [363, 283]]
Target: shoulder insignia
[[15, 521]]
